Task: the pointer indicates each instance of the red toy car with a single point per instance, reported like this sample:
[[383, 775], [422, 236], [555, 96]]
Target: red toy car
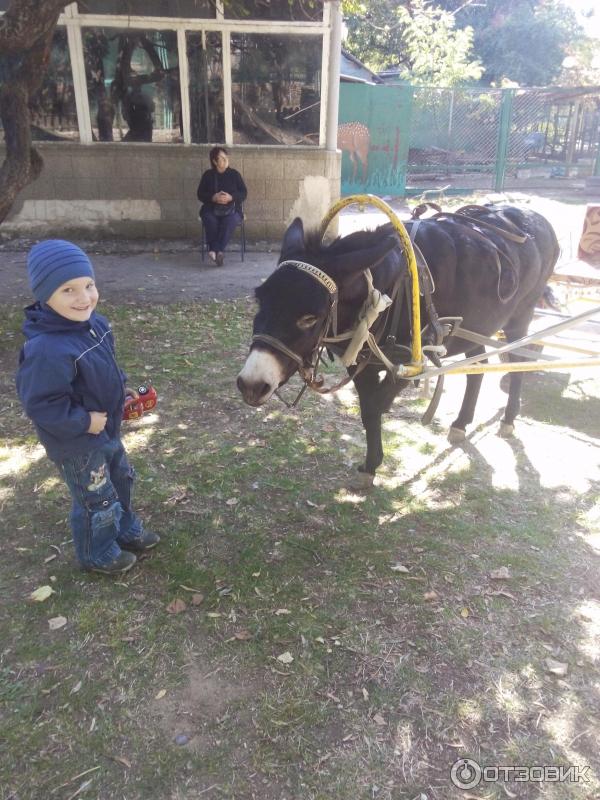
[[135, 406]]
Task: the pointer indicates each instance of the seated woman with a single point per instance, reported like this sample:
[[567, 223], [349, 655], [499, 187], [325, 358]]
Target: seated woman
[[221, 191]]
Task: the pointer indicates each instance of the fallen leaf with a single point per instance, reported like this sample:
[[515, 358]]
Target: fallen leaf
[[365, 694], [500, 574], [243, 635], [176, 606], [286, 658], [180, 496], [503, 593], [379, 720], [197, 599], [233, 501], [50, 558], [214, 614], [160, 695], [76, 688], [122, 760], [464, 612], [189, 588], [282, 612], [399, 568], [432, 595], [85, 785], [556, 667], [57, 622], [40, 594]]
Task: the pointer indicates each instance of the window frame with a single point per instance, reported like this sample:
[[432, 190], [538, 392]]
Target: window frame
[[74, 22]]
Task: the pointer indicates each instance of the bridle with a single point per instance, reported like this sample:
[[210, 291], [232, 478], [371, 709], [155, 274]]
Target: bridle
[[307, 366], [377, 303]]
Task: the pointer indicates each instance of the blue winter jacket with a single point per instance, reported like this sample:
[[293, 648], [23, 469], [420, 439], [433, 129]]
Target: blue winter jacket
[[67, 369]]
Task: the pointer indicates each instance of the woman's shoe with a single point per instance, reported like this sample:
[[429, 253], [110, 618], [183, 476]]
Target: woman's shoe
[[220, 259], [212, 256]]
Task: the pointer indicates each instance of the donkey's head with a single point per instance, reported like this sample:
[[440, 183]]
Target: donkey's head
[[295, 304]]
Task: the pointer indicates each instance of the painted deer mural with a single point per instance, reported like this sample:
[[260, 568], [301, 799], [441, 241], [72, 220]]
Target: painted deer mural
[[355, 139]]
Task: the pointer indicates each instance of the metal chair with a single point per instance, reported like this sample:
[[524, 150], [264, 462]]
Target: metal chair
[[242, 230]]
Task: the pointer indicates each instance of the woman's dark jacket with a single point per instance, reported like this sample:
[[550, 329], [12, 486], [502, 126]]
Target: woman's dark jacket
[[229, 181], [67, 369]]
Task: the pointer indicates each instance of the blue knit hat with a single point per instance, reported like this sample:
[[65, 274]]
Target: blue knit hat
[[54, 262]]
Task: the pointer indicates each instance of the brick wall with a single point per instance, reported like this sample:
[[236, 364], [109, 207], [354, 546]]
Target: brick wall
[[149, 191]]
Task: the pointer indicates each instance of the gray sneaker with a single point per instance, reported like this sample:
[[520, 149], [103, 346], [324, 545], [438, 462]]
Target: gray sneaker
[[122, 563], [146, 541]]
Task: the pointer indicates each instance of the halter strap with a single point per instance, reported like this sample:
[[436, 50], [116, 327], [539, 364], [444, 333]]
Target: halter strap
[[264, 337], [318, 274]]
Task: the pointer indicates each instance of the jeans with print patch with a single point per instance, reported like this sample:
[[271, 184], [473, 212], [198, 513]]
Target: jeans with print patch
[[101, 484]]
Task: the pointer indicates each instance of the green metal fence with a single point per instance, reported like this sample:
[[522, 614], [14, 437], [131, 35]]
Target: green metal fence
[[403, 140]]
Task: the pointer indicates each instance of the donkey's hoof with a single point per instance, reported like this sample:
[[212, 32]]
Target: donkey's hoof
[[507, 430], [362, 481], [456, 435]]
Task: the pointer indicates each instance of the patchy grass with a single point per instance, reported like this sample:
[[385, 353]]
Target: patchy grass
[[394, 674]]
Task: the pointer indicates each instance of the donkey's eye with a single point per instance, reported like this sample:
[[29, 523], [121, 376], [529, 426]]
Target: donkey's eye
[[307, 321]]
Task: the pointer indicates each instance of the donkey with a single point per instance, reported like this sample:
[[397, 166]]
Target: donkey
[[489, 267]]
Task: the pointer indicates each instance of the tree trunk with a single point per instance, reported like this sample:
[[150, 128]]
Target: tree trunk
[[26, 31]]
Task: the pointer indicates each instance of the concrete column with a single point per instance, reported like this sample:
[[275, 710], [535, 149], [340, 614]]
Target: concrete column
[[333, 87]]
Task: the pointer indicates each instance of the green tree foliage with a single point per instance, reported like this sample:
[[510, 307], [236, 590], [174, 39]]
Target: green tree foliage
[[582, 65], [448, 41], [418, 38], [524, 41]]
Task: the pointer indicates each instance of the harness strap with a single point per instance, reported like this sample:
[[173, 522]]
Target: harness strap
[[473, 224], [270, 340], [514, 233]]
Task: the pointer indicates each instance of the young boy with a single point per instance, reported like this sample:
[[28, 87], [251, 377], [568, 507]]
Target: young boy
[[72, 388]]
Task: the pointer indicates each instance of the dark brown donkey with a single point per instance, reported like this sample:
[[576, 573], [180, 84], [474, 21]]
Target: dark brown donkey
[[489, 267]]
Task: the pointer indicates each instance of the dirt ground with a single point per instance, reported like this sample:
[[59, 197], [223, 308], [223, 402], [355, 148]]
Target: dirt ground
[[345, 644], [171, 271]]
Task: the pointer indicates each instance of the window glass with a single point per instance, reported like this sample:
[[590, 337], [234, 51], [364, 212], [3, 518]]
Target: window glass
[[133, 85], [276, 88], [52, 109], [296, 10], [150, 8], [205, 61]]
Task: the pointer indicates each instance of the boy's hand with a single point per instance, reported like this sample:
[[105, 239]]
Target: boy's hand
[[97, 422], [131, 393]]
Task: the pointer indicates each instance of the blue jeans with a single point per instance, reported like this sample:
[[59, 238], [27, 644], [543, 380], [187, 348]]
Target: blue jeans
[[101, 484], [219, 230]]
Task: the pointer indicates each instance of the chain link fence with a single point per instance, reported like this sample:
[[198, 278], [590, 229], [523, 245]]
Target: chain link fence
[[501, 139], [424, 140]]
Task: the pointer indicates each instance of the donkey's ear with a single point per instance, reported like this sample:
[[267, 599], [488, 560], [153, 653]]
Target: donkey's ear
[[293, 241], [347, 265]]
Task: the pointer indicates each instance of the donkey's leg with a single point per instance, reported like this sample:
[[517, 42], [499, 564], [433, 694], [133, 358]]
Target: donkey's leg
[[458, 428], [375, 399], [512, 332]]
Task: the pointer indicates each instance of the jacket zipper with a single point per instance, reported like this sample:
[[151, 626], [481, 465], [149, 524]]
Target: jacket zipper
[[114, 360]]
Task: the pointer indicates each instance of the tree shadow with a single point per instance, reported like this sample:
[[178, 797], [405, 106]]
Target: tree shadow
[[543, 400]]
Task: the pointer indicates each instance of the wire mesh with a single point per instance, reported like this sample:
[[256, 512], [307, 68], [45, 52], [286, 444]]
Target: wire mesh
[[467, 139]]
